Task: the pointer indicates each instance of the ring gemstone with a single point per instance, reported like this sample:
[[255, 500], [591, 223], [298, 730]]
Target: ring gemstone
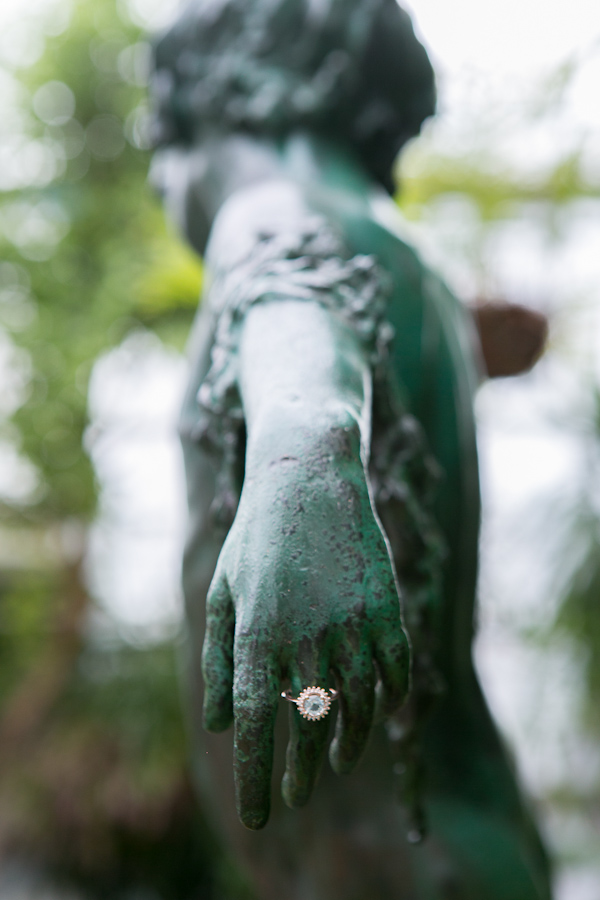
[[313, 703]]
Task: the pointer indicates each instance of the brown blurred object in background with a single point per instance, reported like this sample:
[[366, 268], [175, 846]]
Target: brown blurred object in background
[[512, 337]]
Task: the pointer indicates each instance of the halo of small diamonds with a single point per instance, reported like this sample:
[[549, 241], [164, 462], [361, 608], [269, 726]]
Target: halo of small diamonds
[[314, 703]]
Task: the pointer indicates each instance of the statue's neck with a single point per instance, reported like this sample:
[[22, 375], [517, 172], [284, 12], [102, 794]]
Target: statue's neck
[[197, 181]]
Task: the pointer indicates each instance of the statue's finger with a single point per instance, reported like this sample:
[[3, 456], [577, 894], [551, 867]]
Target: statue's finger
[[355, 680], [217, 656], [307, 742], [256, 690], [392, 654]]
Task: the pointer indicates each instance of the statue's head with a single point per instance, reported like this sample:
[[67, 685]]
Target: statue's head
[[351, 70]]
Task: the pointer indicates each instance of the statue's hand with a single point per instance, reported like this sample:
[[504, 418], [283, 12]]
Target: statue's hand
[[304, 590]]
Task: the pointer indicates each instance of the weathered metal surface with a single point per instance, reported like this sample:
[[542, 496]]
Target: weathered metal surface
[[330, 449]]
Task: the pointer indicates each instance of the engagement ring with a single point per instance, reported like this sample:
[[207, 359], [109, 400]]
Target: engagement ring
[[313, 703]]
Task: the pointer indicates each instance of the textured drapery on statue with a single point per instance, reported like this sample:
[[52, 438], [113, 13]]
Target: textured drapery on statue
[[330, 453]]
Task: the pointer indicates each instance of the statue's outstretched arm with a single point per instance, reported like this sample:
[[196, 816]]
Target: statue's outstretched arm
[[304, 588]]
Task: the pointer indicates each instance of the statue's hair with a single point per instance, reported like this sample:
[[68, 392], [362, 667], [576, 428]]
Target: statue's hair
[[349, 69]]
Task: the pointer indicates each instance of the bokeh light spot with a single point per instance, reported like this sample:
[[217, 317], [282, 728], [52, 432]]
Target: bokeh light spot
[[54, 103]]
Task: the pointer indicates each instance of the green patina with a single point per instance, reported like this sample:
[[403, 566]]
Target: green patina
[[330, 451]]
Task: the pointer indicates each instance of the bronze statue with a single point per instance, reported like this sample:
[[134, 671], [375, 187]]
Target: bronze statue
[[330, 452]]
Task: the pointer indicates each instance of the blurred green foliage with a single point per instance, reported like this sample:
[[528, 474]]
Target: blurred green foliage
[[88, 253], [578, 615], [94, 782], [494, 192]]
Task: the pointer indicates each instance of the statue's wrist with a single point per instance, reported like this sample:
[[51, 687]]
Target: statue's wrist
[[323, 440]]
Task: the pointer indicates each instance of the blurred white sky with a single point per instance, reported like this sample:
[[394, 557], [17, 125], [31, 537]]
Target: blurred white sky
[[507, 37], [496, 62]]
